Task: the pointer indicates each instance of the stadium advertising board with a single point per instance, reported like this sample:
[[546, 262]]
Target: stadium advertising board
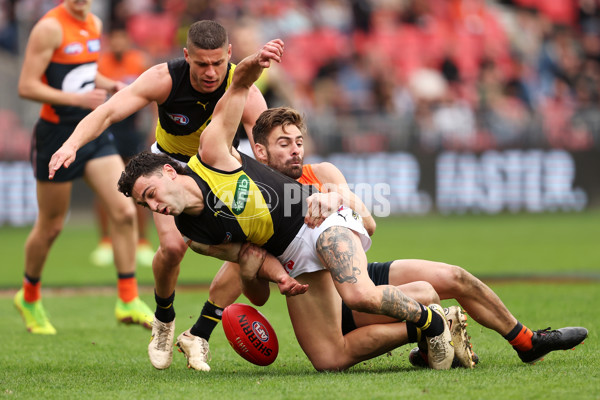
[[403, 183], [456, 183]]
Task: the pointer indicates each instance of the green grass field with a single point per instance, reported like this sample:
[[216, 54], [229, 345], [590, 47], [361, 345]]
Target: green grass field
[[93, 357]]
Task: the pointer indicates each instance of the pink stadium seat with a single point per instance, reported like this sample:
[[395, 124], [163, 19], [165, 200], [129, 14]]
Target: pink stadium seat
[[307, 52], [154, 33], [558, 11]]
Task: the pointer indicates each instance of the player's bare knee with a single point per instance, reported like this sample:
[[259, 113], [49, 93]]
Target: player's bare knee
[[327, 362], [457, 278], [362, 301], [257, 296], [428, 295], [171, 252], [48, 228], [51, 232], [328, 367], [421, 291], [125, 215]]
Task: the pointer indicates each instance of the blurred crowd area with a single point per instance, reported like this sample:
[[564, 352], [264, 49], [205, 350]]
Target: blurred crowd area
[[380, 75]]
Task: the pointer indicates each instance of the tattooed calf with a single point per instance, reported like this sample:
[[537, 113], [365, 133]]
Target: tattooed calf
[[397, 304]]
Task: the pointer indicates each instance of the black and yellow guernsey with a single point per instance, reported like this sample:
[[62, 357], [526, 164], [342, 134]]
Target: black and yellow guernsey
[[253, 203], [185, 114]]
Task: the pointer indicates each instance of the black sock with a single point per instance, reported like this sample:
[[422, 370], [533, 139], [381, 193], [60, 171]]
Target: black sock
[[31, 280], [430, 323], [209, 318], [512, 335], [165, 312], [413, 332]]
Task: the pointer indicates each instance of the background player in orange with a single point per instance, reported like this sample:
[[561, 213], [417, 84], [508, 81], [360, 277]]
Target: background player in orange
[[122, 62], [60, 71]]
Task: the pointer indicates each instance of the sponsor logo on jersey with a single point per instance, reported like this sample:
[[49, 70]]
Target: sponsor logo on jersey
[[236, 194], [73, 49], [241, 195], [260, 331], [289, 266], [179, 119], [93, 45], [228, 237]]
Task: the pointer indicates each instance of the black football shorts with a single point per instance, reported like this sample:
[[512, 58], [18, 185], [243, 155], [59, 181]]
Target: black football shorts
[[48, 137]]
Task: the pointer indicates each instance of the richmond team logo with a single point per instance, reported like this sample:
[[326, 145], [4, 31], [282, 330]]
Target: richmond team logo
[[179, 119]]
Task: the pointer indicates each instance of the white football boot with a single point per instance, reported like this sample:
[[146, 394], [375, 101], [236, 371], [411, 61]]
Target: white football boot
[[458, 328], [160, 348], [440, 349], [195, 349]]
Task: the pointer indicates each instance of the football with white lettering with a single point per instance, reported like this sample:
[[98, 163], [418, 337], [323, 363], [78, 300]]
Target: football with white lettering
[[250, 334]]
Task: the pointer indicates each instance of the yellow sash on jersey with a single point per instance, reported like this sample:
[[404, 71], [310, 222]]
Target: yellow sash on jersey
[[185, 144], [180, 144], [242, 196]]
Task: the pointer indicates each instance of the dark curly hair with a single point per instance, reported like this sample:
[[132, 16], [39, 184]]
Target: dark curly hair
[[145, 164]]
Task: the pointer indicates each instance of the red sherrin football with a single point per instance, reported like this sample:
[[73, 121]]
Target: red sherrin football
[[250, 334]]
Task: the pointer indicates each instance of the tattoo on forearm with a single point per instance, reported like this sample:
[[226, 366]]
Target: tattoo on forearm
[[396, 304], [337, 251]]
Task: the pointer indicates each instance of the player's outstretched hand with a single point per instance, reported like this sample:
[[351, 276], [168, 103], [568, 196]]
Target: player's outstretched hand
[[321, 206], [63, 157], [250, 68], [288, 286], [272, 51]]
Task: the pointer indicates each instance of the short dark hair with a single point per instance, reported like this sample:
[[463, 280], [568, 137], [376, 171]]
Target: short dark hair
[[144, 164], [274, 117], [207, 35]]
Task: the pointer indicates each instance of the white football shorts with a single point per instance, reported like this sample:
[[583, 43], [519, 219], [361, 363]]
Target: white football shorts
[[301, 256], [154, 149]]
